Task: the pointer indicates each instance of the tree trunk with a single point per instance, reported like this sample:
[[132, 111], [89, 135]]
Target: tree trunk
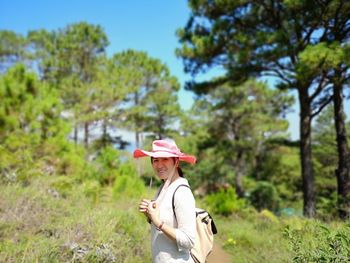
[[306, 153], [137, 122], [239, 166], [104, 133], [75, 136], [239, 185], [86, 134], [342, 171], [137, 139]]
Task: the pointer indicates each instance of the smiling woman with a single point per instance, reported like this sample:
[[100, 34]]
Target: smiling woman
[[173, 230], [164, 167]]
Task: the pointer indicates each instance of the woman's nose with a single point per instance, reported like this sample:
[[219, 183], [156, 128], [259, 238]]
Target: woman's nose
[[160, 163]]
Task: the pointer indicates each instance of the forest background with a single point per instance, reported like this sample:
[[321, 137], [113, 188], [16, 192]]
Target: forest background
[[67, 172]]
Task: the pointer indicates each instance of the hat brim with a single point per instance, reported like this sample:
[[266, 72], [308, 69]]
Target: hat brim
[[160, 154]]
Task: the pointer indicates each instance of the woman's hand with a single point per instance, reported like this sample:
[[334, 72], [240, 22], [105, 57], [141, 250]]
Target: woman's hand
[[153, 213], [150, 209], [144, 205]]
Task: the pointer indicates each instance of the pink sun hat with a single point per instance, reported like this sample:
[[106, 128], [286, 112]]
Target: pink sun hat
[[165, 149]]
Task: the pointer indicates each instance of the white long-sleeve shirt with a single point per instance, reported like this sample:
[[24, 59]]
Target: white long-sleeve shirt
[[165, 250]]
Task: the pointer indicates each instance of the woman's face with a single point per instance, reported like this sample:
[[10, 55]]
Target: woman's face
[[163, 167]]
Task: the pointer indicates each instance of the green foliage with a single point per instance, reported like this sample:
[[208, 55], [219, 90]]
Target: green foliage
[[127, 183], [38, 226], [208, 172], [268, 215], [92, 189], [265, 196], [72, 163], [21, 100], [32, 132], [17, 160], [237, 130], [320, 57], [280, 165], [319, 243], [63, 185], [232, 125], [39, 107], [69, 59], [224, 202], [150, 91], [108, 162], [249, 38], [250, 237], [327, 206], [325, 163], [11, 49]]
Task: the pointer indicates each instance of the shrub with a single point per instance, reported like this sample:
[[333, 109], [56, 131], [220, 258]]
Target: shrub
[[72, 163], [327, 207], [224, 202], [127, 183], [17, 163], [63, 185], [265, 196], [268, 215], [108, 162], [319, 243], [92, 189]]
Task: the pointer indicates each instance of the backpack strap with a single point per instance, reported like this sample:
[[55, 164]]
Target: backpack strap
[[173, 199], [213, 226]]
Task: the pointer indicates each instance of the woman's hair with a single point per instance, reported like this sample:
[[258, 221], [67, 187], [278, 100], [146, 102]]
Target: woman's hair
[[181, 173], [179, 170]]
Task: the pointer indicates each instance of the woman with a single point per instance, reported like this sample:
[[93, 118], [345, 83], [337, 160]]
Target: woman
[[172, 236]]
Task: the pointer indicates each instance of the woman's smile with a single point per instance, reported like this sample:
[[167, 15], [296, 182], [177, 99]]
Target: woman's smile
[[162, 166]]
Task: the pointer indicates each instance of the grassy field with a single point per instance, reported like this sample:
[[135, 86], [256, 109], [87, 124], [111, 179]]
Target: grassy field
[[255, 238], [39, 223]]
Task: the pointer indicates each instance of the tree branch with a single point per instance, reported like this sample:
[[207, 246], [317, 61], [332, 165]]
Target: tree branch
[[325, 103], [278, 74], [319, 88]]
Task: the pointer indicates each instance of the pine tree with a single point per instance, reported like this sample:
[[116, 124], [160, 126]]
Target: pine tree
[[255, 38]]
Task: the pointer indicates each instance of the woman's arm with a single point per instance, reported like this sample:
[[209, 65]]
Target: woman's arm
[[184, 234], [169, 231], [153, 215], [184, 206]]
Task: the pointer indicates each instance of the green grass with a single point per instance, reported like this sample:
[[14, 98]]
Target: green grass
[[252, 239], [38, 225], [52, 219]]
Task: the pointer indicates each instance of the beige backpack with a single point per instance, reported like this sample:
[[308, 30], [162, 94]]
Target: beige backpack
[[205, 231]]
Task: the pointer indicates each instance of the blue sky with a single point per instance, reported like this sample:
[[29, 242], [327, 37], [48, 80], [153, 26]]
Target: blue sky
[[129, 24], [144, 25]]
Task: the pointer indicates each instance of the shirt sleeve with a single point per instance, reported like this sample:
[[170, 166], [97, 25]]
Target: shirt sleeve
[[186, 218]]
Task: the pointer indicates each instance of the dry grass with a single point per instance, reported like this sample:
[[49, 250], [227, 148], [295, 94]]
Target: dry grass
[[37, 224]]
